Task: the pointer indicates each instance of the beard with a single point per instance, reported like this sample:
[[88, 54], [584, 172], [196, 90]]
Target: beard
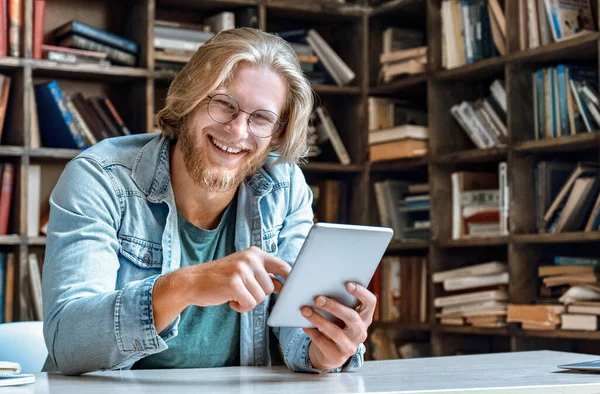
[[217, 179]]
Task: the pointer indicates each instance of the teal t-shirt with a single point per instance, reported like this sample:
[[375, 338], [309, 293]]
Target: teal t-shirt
[[208, 336]]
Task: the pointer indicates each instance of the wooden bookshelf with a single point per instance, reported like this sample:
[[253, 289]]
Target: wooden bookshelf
[[354, 33]]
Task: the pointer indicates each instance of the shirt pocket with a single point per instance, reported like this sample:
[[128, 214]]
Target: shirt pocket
[[140, 256], [271, 240]]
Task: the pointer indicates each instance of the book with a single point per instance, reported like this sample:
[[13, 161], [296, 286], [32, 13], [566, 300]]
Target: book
[[34, 177], [405, 148], [16, 379], [39, 16], [339, 71], [115, 55], [549, 270], [35, 285], [15, 24], [406, 131], [333, 135], [473, 282], [572, 321], [74, 27], [492, 267], [569, 17], [6, 189]]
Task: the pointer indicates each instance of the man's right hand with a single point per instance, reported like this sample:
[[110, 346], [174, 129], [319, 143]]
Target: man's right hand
[[242, 279]]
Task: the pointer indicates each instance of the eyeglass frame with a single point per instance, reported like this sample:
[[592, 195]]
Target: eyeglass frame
[[279, 123]]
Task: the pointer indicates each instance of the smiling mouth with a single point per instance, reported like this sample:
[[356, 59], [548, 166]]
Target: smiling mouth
[[225, 148]]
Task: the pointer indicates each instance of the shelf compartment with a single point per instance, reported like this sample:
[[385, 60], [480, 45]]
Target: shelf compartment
[[400, 164], [395, 6], [584, 141], [579, 236], [407, 326], [474, 156]]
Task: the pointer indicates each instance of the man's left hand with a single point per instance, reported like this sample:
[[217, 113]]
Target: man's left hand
[[332, 344]]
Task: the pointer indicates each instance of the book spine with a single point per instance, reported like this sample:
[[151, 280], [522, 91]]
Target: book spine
[[6, 187], [562, 100], [469, 28], [504, 206], [99, 111], [116, 117], [473, 121], [3, 290], [336, 141], [102, 37], [80, 124], [39, 15], [3, 27], [539, 105], [15, 22], [114, 54], [66, 115]]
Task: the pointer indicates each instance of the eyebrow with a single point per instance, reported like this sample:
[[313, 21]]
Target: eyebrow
[[236, 99]]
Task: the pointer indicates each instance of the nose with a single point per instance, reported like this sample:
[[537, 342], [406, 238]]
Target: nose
[[238, 127]]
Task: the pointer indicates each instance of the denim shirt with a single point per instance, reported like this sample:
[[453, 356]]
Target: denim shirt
[[113, 232]]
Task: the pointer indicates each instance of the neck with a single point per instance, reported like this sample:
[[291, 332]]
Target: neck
[[199, 205]]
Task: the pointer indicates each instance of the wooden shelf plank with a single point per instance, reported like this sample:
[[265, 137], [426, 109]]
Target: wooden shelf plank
[[398, 246], [475, 241], [408, 326], [584, 44], [474, 156], [408, 6], [7, 150], [334, 89], [331, 167], [483, 68], [400, 164], [410, 82], [10, 239], [446, 328], [53, 153], [317, 9], [564, 334], [37, 241], [579, 236], [85, 71], [585, 141]]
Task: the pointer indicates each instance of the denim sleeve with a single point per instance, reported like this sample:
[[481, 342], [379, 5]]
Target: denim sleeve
[[294, 342], [89, 325]]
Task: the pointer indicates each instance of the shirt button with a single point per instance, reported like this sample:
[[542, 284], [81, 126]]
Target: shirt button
[[273, 246]]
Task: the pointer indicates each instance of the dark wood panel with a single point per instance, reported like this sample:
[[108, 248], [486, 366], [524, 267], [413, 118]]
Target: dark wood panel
[[475, 241], [577, 142], [573, 237], [473, 156]]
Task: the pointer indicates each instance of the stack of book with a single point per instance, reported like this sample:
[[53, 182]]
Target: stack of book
[[545, 21], [535, 317], [405, 208], [484, 120], [78, 35], [400, 284], [476, 295], [471, 31], [318, 60], [566, 101], [575, 201], [396, 130], [404, 53], [480, 203], [176, 42], [73, 121]]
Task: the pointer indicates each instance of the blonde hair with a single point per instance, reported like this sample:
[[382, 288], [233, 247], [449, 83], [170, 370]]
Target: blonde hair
[[213, 65]]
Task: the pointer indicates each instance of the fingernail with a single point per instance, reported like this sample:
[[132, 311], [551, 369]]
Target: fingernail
[[321, 301], [351, 287], [307, 312]]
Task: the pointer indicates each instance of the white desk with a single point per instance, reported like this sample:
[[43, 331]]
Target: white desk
[[524, 372]]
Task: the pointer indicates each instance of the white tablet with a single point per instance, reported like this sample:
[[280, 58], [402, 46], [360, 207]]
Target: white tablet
[[332, 255]]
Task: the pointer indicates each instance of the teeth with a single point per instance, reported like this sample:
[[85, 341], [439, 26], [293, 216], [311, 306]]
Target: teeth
[[225, 147]]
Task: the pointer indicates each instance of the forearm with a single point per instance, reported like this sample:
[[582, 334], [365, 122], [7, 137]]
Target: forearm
[[169, 298], [104, 331]]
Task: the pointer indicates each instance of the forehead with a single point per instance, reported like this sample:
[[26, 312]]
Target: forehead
[[257, 88]]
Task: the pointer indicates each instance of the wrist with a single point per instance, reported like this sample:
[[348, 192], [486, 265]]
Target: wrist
[[314, 359]]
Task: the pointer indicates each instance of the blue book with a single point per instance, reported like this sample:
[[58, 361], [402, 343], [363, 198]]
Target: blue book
[[576, 76], [101, 36], [568, 260], [487, 41], [553, 98], [540, 104], [565, 124], [57, 126]]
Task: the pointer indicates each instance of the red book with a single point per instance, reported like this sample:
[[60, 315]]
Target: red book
[[39, 13], [3, 27], [6, 187]]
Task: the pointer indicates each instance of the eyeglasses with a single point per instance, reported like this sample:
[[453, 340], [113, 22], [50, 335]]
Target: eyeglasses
[[223, 108]]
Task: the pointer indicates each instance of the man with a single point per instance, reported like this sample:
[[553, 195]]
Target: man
[[163, 250]]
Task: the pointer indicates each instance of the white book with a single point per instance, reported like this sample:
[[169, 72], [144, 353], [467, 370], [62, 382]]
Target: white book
[[33, 199], [182, 34], [9, 366], [503, 188], [492, 267], [35, 286], [406, 131], [16, 379], [457, 113], [334, 136], [544, 24], [499, 93], [473, 307], [579, 322], [222, 21], [477, 296], [177, 44], [473, 282], [327, 55]]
